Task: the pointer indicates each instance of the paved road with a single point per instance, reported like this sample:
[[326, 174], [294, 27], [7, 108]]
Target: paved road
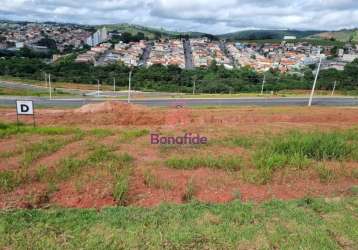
[[145, 56], [319, 101], [188, 54]]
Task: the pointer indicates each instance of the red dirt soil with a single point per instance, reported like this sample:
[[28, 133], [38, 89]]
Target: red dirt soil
[[119, 113], [215, 186]]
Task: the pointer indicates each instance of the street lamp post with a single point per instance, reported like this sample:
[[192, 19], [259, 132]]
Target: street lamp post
[[97, 88], [49, 85], [334, 88], [315, 82], [194, 87], [129, 86], [263, 85]]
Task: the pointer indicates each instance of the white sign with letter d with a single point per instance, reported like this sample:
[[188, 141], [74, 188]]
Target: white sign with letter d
[[24, 107]]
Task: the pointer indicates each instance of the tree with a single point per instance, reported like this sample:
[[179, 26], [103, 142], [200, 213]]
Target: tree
[[351, 70], [47, 42]]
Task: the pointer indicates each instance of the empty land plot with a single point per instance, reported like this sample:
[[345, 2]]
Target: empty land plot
[[255, 154], [281, 177]]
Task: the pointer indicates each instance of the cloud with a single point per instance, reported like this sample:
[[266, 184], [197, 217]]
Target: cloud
[[214, 16]]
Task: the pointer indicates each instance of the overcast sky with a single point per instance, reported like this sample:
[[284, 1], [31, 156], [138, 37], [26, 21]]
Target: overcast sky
[[212, 16]]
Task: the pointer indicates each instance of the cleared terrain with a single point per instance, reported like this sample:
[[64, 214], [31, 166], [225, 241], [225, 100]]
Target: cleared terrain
[[278, 173]]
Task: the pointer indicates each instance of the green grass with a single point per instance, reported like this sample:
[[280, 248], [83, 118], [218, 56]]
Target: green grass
[[237, 141], [67, 167], [38, 150], [7, 181], [325, 174], [118, 165], [121, 187], [152, 181], [41, 173], [302, 224], [26, 92], [101, 156], [190, 191], [11, 179], [355, 173], [101, 153], [9, 154], [194, 162], [101, 133], [298, 150], [354, 190], [129, 135], [9, 129]]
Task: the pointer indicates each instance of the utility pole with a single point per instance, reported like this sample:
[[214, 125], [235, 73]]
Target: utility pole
[[49, 85], [97, 88], [45, 79], [129, 86], [315, 82], [194, 87], [334, 88], [263, 85]]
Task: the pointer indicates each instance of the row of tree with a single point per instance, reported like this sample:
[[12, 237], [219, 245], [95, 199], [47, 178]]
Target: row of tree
[[215, 79]]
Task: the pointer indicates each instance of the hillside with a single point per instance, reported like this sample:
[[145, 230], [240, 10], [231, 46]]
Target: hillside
[[342, 35], [149, 32], [266, 34], [152, 33], [134, 29]]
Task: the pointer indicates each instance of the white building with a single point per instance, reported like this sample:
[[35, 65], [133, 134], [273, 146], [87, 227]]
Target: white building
[[289, 38], [98, 37], [349, 57], [19, 45]]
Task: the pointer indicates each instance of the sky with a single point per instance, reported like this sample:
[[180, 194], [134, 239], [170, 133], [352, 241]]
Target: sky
[[211, 16]]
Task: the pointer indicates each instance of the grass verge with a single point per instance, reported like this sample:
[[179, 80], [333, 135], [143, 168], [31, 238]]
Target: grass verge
[[302, 224]]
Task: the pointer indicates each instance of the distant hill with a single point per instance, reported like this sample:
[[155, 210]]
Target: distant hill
[[266, 34], [342, 35], [149, 32], [153, 33]]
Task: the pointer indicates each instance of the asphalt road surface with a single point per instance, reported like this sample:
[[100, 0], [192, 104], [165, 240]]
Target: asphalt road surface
[[319, 101], [188, 54]]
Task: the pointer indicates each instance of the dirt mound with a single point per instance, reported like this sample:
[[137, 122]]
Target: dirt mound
[[115, 112], [107, 107]]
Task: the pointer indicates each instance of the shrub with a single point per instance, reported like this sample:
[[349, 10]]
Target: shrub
[[325, 174], [190, 191], [150, 180], [68, 167], [41, 173], [121, 188], [7, 181]]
